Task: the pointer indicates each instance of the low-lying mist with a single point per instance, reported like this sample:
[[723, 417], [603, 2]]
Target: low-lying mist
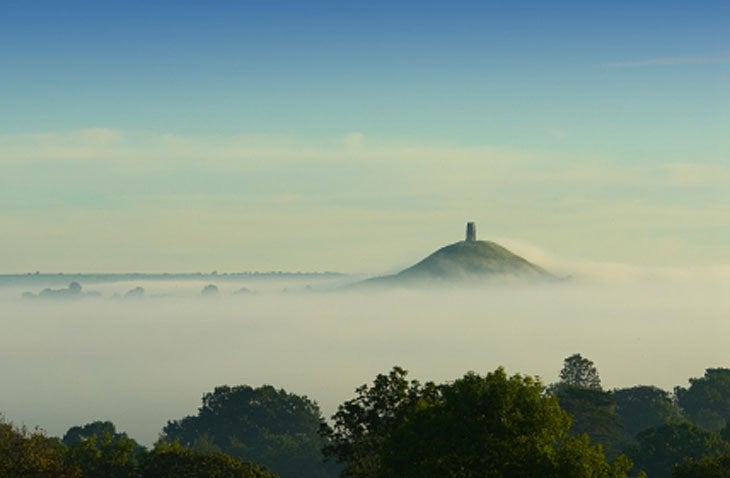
[[142, 362]]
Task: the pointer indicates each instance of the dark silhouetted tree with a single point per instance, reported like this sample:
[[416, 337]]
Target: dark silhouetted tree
[[209, 290], [593, 413], [644, 407], [707, 400], [592, 409], [136, 293], [659, 449], [263, 425], [362, 425], [580, 372]]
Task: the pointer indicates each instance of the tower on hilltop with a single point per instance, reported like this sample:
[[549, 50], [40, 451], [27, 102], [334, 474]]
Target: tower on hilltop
[[471, 231]]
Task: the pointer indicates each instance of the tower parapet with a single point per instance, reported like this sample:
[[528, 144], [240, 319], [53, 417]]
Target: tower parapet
[[471, 231]]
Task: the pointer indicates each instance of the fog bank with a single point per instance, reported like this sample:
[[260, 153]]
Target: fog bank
[[140, 363]]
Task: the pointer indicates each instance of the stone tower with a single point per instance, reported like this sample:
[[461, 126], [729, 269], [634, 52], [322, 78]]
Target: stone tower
[[471, 231]]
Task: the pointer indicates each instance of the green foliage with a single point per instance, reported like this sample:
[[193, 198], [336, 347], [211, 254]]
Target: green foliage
[[593, 410], [75, 435], [174, 461], [644, 407], [97, 451], [707, 400], [580, 372], [707, 467], [26, 454], [594, 413], [661, 448], [493, 426], [263, 425], [725, 433], [362, 425], [488, 425], [576, 457], [475, 427], [100, 452]]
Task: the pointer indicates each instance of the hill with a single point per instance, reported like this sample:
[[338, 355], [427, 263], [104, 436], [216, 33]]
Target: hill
[[469, 261]]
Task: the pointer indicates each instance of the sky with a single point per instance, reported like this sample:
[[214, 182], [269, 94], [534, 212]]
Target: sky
[[358, 136]]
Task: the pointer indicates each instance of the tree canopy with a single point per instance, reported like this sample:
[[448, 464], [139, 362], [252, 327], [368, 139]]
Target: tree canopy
[[99, 451], [593, 410], [706, 467], [494, 426], [476, 426], [580, 372], [263, 425], [659, 449], [26, 454], [362, 425], [174, 461], [642, 407], [593, 413], [707, 400]]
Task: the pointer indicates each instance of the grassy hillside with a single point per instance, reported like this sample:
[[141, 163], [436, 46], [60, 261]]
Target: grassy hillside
[[466, 261]]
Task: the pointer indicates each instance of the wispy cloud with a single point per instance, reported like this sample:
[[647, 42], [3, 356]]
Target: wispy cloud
[[81, 190], [670, 61]]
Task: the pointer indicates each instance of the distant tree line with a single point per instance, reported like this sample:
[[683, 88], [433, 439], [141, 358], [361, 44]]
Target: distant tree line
[[98, 451], [664, 434], [492, 425]]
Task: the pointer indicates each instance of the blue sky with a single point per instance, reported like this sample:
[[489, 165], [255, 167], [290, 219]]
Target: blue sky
[[361, 134]]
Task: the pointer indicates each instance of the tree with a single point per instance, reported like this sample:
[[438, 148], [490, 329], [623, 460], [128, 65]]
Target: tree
[[580, 372], [209, 290], [492, 426], [263, 425], [78, 434], [707, 467], [474, 427], [642, 407], [725, 433], [577, 457], [362, 425], [136, 293], [707, 400], [31, 454], [594, 413], [659, 449], [174, 461], [100, 452], [593, 410]]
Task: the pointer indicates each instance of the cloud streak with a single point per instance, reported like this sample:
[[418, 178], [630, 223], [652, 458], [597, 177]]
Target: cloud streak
[[80, 191]]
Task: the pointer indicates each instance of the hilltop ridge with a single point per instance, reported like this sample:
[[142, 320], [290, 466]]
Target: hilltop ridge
[[468, 261]]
